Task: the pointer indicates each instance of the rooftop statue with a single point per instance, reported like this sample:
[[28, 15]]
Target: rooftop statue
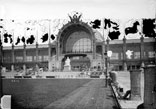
[[75, 17]]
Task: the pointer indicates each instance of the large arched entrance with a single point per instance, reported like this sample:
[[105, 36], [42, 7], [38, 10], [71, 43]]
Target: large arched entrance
[[76, 40]]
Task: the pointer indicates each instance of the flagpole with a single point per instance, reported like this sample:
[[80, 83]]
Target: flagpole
[[103, 45], [106, 57], [103, 55], [49, 49], [24, 50], [13, 54], [37, 67]]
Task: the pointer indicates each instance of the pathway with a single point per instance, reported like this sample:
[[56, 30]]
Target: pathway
[[93, 95]]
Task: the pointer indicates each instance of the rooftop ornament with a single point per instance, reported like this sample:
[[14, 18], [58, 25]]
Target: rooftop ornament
[[75, 17]]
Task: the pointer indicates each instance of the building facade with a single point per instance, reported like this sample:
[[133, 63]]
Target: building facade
[[82, 44]]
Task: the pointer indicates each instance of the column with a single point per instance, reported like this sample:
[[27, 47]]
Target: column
[[49, 55], [37, 57], [142, 51], [124, 55], [57, 64], [24, 58], [135, 79], [57, 50], [150, 87], [1, 61], [103, 54], [1, 93], [94, 49], [155, 50], [108, 58], [1, 55], [13, 58]]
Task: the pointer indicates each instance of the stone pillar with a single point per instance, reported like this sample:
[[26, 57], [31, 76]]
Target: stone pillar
[[24, 58], [124, 55], [155, 50], [103, 54], [142, 51], [37, 57], [13, 58], [1, 46], [1, 55], [94, 50], [49, 55], [1, 93], [107, 44], [1, 61], [108, 58], [135, 79], [57, 50], [150, 87]]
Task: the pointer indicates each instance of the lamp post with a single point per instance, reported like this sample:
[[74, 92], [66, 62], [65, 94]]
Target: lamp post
[[108, 55]]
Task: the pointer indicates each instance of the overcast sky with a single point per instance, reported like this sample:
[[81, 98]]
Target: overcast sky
[[91, 9], [36, 9]]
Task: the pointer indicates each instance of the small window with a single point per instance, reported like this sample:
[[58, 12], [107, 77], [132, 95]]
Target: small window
[[114, 56], [138, 66], [133, 66], [29, 58], [120, 67], [19, 58], [151, 54], [136, 55], [45, 58]]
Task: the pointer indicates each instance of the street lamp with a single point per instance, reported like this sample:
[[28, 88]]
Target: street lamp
[[108, 55]]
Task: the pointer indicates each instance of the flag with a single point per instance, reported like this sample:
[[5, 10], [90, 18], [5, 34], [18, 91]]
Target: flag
[[132, 29], [148, 27], [96, 23], [113, 28]]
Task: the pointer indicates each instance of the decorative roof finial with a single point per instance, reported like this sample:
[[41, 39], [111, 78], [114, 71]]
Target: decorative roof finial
[[75, 17]]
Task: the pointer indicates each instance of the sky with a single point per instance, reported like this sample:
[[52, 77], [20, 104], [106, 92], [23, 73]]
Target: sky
[[90, 9], [35, 9]]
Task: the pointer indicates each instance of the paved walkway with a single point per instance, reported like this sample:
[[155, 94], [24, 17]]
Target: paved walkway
[[93, 95], [124, 81]]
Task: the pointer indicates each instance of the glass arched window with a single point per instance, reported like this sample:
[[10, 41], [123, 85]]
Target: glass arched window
[[79, 42]]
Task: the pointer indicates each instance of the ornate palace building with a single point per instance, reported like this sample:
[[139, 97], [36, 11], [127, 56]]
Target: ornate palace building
[[78, 41]]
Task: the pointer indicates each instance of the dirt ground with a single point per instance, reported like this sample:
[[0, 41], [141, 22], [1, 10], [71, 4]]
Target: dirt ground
[[93, 95]]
